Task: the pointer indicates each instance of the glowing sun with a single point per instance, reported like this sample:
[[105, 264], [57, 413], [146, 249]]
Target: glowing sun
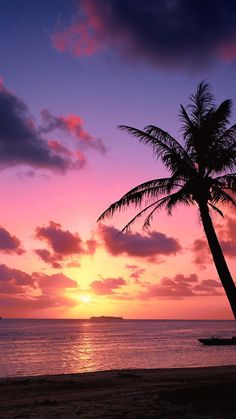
[[85, 298]]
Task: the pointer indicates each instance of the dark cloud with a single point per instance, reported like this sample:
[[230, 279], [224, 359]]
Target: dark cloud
[[166, 33], [107, 286], [181, 286], [62, 244], [20, 141], [10, 244], [135, 244]]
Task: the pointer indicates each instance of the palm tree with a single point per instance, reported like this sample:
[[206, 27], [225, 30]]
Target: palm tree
[[201, 172]]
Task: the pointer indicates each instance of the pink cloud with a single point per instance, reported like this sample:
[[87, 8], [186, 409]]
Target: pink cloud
[[72, 125], [136, 272], [201, 252], [10, 244], [38, 290], [208, 287], [226, 235], [59, 148], [67, 40], [53, 283], [107, 286], [49, 258], [62, 244], [14, 280], [152, 244]]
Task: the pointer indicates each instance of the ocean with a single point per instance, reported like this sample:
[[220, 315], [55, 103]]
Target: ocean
[[39, 347]]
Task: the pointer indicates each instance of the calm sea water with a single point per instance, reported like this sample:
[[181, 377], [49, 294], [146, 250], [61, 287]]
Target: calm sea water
[[34, 347]]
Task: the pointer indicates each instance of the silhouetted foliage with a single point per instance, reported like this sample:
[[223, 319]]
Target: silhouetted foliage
[[201, 171]]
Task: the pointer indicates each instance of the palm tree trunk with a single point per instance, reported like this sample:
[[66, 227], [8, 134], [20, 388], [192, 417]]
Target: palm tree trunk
[[218, 257]]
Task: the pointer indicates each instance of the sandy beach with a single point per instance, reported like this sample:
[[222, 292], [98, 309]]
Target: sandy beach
[[156, 393]]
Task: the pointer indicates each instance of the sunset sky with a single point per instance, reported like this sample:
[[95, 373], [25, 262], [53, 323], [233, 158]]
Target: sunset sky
[[71, 72]]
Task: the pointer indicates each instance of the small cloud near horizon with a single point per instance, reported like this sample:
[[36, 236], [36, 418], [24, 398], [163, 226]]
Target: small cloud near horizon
[[36, 291], [181, 286]]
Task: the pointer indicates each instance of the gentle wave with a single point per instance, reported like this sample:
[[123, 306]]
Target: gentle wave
[[35, 347]]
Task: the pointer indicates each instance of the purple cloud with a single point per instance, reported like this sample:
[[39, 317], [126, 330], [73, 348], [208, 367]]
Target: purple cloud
[[20, 141], [137, 245], [10, 244], [62, 244], [164, 33]]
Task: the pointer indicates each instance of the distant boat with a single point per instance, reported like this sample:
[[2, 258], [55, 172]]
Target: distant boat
[[218, 341], [105, 318]]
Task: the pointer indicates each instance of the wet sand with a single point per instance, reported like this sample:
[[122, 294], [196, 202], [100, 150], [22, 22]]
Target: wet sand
[[192, 393]]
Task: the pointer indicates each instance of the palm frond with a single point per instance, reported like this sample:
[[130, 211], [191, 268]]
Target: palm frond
[[146, 191], [218, 120], [227, 182], [162, 183], [196, 169], [159, 202], [202, 102], [228, 137], [218, 195], [149, 218], [182, 196], [165, 147], [223, 159], [216, 209], [189, 127]]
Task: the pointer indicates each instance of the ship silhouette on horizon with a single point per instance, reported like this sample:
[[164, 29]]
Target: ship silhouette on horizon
[[106, 318]]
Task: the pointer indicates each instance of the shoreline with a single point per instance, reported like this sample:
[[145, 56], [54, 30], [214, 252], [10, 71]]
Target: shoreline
[[101, 373], [128, 393]]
